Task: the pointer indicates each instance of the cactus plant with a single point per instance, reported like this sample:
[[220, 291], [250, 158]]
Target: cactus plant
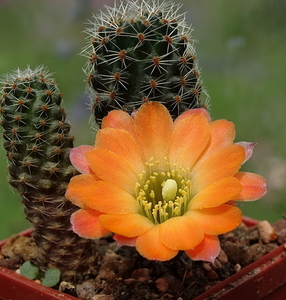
[[139, 51], [37, 143], [142, 51]]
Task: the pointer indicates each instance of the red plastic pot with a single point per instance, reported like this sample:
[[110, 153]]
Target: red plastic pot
[[263, 279], [15, 287]]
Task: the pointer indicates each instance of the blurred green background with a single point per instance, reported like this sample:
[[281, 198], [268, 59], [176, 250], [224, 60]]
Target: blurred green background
[[242, 52]]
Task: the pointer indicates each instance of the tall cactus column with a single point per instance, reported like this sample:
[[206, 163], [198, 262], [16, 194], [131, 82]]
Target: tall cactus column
[[37, 143], [142, 51]]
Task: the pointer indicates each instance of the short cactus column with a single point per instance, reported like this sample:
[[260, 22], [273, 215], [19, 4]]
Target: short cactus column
[[142, 51], [37, 143]]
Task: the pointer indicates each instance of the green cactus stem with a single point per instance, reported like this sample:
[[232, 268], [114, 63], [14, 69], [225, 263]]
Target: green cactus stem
[[37, 143], [140, 51]]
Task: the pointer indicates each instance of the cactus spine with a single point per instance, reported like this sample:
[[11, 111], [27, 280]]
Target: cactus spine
[[142, 51], [37, 143]]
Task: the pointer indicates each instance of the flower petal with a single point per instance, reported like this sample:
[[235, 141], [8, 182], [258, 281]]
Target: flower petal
[[112, 168], [119, 119], [222, 135], [122, 143], [216, 220], [253, 186], [129, 225], [224, 163], [78, 188], [180, 233], [85, 224], [78, 159], [153, 126], [108, 198], [190, 112], [150, 246], [249, 147], [189, 139], [207, 250], [216, 194], [124, 241]]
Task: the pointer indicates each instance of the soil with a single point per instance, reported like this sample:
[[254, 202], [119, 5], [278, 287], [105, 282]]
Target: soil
[[122, 274]]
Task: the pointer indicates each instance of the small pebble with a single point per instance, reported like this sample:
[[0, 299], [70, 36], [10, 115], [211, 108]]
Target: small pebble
[[256, 251], [102, 297], [222, 257], [237, 268], [129, 281], [279, 225], [282, 236], [64, 285], [229, 236], [207, 266], [216, 264], [162, 284], [85, 289], [141, 274], [266, 232], [212, 275]]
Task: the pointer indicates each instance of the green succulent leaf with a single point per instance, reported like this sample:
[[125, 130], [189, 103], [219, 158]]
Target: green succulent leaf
[[29, 270], [52, 277]]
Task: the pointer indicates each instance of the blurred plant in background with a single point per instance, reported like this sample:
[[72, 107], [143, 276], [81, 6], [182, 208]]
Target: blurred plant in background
[[241, 51]]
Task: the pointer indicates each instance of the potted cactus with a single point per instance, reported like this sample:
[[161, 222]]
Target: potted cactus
[[161, 176]]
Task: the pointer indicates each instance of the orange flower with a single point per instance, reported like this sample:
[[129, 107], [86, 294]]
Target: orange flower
[[162, 186]]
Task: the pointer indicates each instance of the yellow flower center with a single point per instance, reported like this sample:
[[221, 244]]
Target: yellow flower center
[[162, 192]]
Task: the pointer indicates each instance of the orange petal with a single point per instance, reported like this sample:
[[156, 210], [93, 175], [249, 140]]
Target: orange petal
[[85, 224], [122, 143], [224, 163], [78, 159], [222, 135], [207, 250], [129, 225], [153, 126], [78, 187], [216, 220], [180, 233], [189, 139], [119, 119], [112, 168], [216, 194], [253, 186], [150, 246], [108, 198], [190, 112]]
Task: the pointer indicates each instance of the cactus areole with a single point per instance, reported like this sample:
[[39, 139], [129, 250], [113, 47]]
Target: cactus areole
[[142, 51]]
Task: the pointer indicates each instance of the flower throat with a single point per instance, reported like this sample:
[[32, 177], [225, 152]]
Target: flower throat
[[162, 192]]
